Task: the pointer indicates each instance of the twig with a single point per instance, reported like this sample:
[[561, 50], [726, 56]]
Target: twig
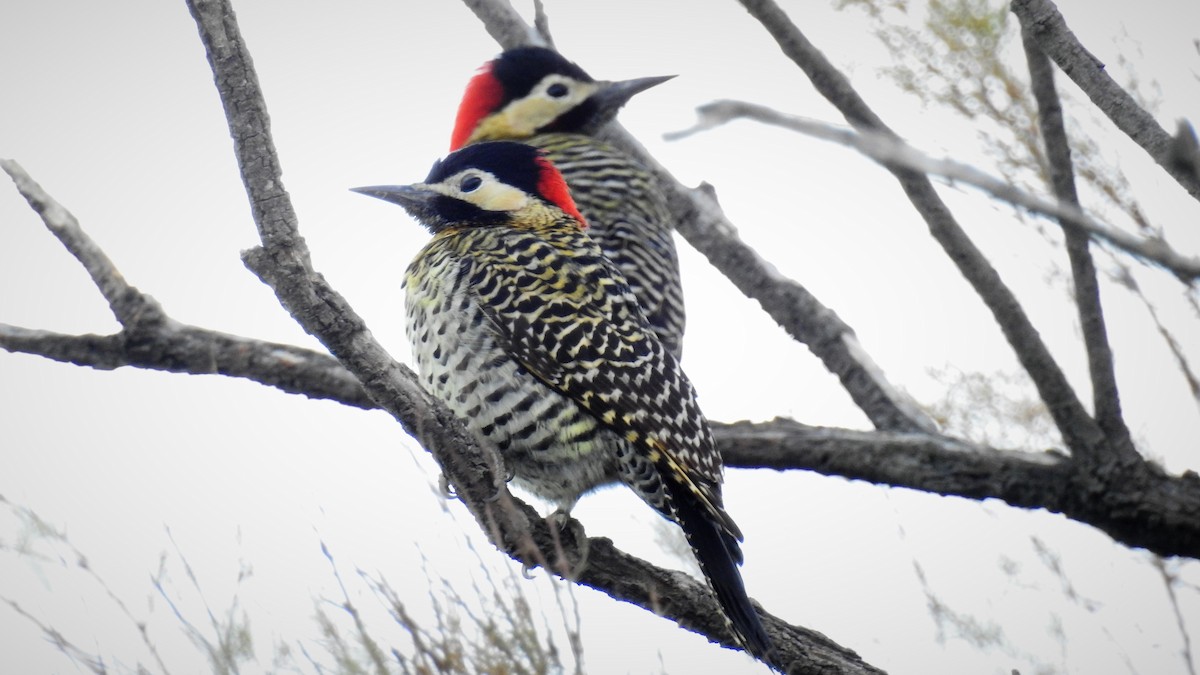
[[890, 150], [1048, 28], [504, 24], [131, 307], [541, 21], [1079, 430], [1105, 397]]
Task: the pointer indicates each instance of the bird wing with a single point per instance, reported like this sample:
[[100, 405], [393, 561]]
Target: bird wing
[[570, 319]]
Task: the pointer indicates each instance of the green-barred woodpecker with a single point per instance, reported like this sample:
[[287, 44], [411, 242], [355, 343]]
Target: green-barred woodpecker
[[535, 96], [532, 336]]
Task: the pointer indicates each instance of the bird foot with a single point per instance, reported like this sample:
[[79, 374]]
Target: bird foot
[[560, 521]]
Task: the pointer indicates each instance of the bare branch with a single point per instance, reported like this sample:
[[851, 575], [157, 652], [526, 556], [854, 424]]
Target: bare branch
[[179, 348], [541, 21], [128, 304], [941, 465], [890, 150], [1047, 27], [1105, 397], [1081, 433], [504, 24]]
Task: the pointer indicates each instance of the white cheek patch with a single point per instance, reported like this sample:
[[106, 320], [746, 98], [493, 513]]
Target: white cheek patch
[[526, 115], [491, 195]]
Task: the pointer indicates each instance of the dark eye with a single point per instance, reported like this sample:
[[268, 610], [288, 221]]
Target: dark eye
[[557, 90], [470, 183]]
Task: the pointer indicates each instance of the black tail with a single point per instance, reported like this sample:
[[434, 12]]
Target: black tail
[[719, 555]]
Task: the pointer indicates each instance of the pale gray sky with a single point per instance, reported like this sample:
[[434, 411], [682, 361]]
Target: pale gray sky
[[111, 108]]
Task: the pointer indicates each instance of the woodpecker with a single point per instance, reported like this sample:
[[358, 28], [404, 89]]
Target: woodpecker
[[531, 335], [535, 96]]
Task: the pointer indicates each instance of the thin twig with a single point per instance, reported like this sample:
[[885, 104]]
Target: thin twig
[[890, 150], [129, 306], [1105, 397], [1081, 433]]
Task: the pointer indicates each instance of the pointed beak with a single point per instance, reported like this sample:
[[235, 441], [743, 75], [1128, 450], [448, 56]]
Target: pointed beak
[[613, 95], [408, 196], [417, 199]]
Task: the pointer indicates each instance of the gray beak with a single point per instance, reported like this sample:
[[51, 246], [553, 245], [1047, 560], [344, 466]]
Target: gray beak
[[612, 95], [408, 196]]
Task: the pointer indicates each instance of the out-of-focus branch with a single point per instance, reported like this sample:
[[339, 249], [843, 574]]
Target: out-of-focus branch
[[1048, 28], [1184, 152], [1081, 433], [890, 150], [1106, 400], [504, 24]]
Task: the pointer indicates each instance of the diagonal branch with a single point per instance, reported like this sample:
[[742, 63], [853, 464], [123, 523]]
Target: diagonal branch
[[1106, 400], [1081, 433], [890, 150], [132, 308], [1049, 30]]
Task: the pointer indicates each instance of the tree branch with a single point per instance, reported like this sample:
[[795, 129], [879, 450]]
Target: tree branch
[[1047, 27], [504, 24], [1081, 433], [890, 150], [178, 348], [1106, 400], [132, 309], [1123, 506]]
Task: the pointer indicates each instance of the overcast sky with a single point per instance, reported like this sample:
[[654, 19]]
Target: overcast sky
[[111, 107]]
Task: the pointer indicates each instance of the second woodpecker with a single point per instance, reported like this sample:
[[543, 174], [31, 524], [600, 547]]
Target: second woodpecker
[[535, 96]]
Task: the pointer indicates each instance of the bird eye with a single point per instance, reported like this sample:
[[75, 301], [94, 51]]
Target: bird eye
[[470, 183], [557, 90]]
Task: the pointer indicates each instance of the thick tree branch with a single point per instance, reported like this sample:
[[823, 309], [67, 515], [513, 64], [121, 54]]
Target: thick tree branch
[[701, 221], [890, 150], [283, 263], [1140, 506], [1081, 433], [179, 348], [1046, 26], [1106, 400]]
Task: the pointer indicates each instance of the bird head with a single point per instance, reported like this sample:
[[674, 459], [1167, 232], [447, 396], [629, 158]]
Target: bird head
[[488, 184], [530, 90]]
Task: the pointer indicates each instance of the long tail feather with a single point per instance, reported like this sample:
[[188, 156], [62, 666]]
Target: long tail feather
[[719, 554]]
